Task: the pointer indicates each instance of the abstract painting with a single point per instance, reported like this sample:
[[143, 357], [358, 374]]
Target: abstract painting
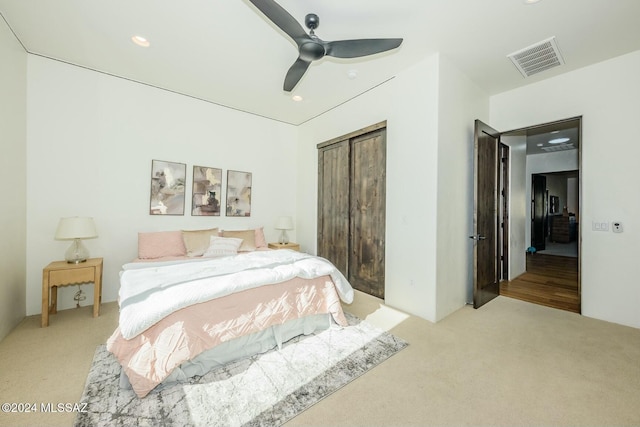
[[167, 188], [207, 188], [238, 193]]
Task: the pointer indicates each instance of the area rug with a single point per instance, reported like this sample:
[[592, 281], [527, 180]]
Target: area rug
[[265, 390]]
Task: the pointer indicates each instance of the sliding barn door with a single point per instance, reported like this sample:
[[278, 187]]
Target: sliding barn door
[[333, 204], [366, 260], [351, 206]]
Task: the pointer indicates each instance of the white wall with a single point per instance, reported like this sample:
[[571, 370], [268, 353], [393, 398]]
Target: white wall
[[460, 103], [91, 140], [409, 103], [518, 204], [415, 135], [606, 95], [13, 87]]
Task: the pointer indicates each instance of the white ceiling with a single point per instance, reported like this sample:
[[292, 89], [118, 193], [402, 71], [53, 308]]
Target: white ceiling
[[226, 52]]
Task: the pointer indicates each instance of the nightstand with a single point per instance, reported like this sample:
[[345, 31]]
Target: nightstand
[[290, 245], [62, 273]]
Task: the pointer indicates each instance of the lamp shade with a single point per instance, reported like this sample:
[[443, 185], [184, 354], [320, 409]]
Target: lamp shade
[[284, 223], [76, 227]]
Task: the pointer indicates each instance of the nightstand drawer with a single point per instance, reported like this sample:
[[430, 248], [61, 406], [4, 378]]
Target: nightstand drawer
[[70, 277], [290, 245]]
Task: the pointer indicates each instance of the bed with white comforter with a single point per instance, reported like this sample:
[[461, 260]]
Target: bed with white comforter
[[181, 318]]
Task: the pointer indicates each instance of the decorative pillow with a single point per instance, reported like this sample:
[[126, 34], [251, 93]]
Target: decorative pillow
[[248, 239], [197, 241], [221, 246], [160, 244], [260, 241]]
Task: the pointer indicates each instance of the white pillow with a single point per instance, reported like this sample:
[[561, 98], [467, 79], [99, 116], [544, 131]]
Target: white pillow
[[221, 246]]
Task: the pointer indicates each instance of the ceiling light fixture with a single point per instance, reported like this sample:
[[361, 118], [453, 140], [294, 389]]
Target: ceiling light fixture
[[531, 1], [559, 140], [297, 98], [352, 74], [140, 41]]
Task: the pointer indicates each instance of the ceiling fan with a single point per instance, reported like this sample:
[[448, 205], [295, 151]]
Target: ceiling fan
[[311, 47]]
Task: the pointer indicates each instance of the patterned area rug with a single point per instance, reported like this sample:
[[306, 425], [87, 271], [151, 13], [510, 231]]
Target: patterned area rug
[[265, 390]]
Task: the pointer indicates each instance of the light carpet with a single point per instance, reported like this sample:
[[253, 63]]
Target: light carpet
[[265, 390]]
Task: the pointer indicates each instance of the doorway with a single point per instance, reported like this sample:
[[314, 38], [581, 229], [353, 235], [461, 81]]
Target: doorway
[[540, 212]]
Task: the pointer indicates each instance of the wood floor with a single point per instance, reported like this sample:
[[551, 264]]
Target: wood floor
[[550, 280]]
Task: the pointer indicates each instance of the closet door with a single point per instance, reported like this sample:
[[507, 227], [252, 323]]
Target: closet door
[[352, 204], [367, 213], [333, 204]]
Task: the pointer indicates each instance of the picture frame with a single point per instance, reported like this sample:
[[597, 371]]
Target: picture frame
[[168, 180], [206, 191], [238, 193]]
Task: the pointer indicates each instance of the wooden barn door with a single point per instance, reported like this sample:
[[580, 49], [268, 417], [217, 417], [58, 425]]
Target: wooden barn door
[[333, 204], [366, 260], [352, 205]]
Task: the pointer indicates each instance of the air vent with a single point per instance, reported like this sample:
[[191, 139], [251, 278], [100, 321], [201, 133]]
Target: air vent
[[538, 57]]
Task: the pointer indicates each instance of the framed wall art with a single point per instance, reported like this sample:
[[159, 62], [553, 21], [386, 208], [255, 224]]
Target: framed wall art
[[238, 193], [207, 189], [167, 188]]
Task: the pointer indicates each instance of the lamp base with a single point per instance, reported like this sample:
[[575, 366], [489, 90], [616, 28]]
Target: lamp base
[[284, 238], [76, 253]]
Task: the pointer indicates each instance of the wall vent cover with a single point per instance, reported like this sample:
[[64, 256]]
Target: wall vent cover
[[538, 57]]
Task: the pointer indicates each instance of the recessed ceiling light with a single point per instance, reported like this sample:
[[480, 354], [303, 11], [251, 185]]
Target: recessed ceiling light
[[559, 140], [297, 98], [352, 74], [140, 41], [531, 1]]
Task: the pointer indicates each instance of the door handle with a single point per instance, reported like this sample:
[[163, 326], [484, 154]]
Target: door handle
[[478, 237]]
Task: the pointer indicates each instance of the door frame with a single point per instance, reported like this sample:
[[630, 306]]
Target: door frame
[[556, 123]]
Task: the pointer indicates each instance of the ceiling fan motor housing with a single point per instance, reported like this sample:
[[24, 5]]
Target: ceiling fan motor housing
[[311, 51]]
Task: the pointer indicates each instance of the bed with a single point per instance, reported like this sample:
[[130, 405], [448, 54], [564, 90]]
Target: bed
[[195, 300]]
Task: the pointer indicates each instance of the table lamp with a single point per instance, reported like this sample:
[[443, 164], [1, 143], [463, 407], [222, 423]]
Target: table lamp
[[76, 228], [284, 223]]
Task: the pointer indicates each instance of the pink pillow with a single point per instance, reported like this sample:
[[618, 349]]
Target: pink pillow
[[260, 240], [160, 244]]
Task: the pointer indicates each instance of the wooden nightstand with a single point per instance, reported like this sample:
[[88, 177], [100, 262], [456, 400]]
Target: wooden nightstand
[[290, 245], [62, 273]]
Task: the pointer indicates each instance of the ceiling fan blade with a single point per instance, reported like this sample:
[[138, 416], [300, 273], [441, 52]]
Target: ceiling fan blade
[[295, 73], [361, 47], [281, 18]]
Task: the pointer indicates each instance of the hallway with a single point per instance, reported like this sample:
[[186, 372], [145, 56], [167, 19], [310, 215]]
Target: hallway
[[549, 280]]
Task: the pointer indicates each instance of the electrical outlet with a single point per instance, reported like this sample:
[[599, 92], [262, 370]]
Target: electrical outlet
[[616, 227]]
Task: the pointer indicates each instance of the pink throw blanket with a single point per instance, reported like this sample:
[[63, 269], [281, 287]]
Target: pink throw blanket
[[151, 356]]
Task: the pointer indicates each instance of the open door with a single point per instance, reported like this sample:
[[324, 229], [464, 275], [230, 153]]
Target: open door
[[486, 275]]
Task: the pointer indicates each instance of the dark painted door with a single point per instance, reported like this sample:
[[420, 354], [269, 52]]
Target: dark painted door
[[485, 216]]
